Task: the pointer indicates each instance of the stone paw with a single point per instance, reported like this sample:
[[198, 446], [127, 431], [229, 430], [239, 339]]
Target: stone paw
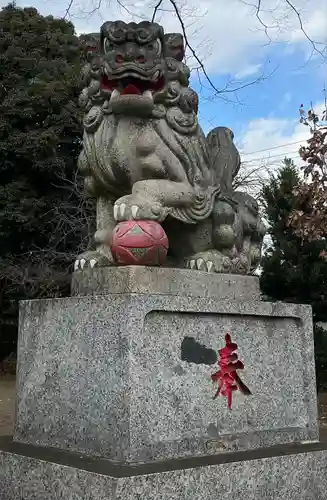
[[241, 265], [211, 261], [200, 265], [132, 207], [90, 260]]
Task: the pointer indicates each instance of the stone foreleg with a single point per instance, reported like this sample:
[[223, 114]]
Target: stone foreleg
[[101, 256], [153, 200]]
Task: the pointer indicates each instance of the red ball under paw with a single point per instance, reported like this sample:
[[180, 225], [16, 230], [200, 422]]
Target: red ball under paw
[[139, 243]]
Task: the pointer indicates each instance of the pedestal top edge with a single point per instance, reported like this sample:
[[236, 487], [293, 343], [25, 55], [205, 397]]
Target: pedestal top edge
[[166, 281]]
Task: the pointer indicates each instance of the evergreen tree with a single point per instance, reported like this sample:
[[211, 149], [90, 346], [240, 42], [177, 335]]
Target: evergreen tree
[[294, 270], [40, 138]]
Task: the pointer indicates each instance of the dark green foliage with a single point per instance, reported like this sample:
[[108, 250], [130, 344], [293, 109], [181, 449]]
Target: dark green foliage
[[320, 335], [293, 270], [42, 216]]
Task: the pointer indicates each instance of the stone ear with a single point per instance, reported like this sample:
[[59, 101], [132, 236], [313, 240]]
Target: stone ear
[[91, 45], [174, 46]]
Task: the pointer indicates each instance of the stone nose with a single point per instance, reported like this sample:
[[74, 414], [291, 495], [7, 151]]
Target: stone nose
[[132, 53]]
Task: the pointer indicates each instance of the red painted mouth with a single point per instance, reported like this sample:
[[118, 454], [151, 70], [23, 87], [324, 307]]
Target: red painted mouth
[[130, 89], [131, 85]]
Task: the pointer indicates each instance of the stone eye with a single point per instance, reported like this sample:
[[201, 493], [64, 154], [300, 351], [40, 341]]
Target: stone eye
[[118, 35], [142, 34]]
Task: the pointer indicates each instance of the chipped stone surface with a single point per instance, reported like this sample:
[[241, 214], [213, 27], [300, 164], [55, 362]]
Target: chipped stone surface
[[105, 376]]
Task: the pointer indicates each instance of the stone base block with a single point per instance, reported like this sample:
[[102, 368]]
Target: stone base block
[[281, 474], [166, 281], [127, 376]]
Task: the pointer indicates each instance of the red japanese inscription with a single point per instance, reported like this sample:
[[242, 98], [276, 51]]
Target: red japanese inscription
[[227, 377]]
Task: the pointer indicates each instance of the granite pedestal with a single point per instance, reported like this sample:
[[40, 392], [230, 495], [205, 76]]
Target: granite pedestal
[[123, 380], [280, 473]]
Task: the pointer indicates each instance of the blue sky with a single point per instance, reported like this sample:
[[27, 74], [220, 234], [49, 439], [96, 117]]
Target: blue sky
[[234, 47], [279, 96]]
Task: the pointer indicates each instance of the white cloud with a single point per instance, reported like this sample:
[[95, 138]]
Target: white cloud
[[265, 139], [250, 70], [264, 144], [269, 140], [226, 34]]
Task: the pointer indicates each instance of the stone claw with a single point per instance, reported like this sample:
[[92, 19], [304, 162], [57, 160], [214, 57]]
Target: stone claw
[[210, 262], [132, 207], [80, 263], [90, 260], [201, 265]]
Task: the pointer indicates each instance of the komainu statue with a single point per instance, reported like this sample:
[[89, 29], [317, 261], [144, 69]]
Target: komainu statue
[[146, 157]]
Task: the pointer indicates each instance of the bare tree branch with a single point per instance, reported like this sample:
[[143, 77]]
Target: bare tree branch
[[126, 9], [194, 54], [252, 178], [68, 8], [266, 27], [156, 10], [314, 44], [201, 65], [258, 7]]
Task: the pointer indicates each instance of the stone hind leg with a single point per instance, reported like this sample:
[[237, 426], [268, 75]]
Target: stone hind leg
[[238, 232], [220, 257], [225, 230], [194, 246], [101, 256]]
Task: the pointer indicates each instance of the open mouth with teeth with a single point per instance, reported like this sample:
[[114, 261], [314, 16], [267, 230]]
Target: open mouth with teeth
[[133, 84]]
